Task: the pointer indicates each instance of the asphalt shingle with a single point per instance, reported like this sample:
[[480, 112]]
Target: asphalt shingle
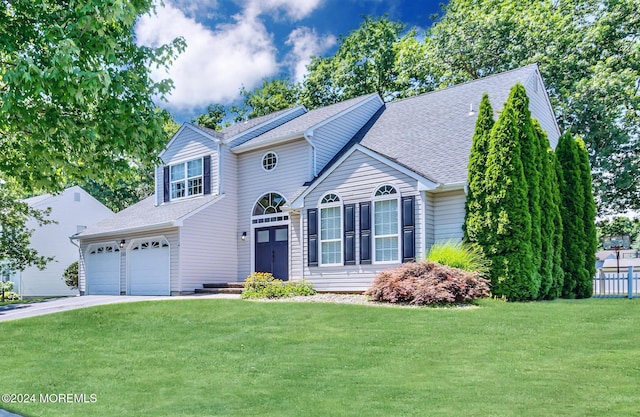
[[146, 214], [432, 133]]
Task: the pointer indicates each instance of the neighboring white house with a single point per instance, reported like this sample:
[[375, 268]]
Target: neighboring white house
[[333, 195], [74, 210]]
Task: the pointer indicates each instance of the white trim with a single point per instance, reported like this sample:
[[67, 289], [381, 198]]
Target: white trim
[[252, 216], [423, 183], [277, 140], [388, 197], [256, 127], [184, 126], [454, 186], [340, 205], [128, 259]]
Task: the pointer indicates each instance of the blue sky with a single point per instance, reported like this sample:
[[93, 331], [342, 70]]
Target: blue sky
[[235, 43]]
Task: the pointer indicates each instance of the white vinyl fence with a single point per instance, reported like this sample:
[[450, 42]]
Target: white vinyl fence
[[626, 284]]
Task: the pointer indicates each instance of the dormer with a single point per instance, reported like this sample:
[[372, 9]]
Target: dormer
[[192, 158]]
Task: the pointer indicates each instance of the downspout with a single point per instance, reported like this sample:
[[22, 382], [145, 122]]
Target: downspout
[[71, 239], [219, 173], [308, 135]]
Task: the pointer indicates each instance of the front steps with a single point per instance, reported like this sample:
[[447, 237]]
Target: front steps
[[221, 288]]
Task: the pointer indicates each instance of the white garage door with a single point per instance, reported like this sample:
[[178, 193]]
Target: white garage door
[[149, 267], [103, 269]]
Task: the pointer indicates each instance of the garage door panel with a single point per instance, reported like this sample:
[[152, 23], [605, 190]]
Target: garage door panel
[[103, 269], [149, 267]]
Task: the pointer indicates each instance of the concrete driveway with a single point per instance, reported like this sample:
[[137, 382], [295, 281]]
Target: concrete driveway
[[56, 305]]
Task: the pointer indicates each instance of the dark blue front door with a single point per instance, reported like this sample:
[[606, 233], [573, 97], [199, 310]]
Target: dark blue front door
[[272, 251]]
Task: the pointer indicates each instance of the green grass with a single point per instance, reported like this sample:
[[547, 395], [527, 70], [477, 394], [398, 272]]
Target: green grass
[[242, 358]]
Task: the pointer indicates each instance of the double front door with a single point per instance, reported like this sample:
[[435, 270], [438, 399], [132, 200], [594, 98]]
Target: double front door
[[272, 251]]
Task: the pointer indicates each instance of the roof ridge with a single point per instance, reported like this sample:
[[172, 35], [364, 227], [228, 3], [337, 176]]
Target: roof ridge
[[451, 87]]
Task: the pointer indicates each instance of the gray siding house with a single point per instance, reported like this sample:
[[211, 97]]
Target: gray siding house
[[333, 195]]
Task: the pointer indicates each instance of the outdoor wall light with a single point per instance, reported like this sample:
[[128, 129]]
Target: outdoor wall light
[[244, 236], [122, 244]]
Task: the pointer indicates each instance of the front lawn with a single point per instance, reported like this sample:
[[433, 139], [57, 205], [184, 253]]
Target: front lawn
[[239, 358]]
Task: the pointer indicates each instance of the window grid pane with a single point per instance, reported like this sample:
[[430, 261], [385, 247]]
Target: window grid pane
[[386, 248], [386, 230], [194, 168], [331, 252], [186, 179], [331, 235]]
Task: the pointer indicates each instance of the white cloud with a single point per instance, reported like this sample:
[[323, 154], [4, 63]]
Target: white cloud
[[294, 9], [216, 62], [306, 43]]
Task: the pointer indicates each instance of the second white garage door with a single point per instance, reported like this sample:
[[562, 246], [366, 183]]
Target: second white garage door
[[149, 267]]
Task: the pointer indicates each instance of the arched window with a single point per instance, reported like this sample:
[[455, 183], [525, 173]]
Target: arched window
[[330, 230], [270, 203], [386, 224]]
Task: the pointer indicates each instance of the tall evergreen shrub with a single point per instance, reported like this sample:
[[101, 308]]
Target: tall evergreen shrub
[[531, 164], [584, 288], [548, 210], [573, 201], [558, 230], [475, 207], [508, 217]]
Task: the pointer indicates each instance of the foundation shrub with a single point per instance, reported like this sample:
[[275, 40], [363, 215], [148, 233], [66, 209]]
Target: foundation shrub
[[264, 285], [428, 283]]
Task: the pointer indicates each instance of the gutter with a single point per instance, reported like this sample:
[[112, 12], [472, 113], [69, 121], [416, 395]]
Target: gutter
[[130, 230], [454, 186], [269, 142]]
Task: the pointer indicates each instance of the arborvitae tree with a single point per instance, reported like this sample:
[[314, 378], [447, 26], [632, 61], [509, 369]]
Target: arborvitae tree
[[531, 164], [558, 230], [572, 194], [508, 217], [548, 211], [475, 208], [584, 288]]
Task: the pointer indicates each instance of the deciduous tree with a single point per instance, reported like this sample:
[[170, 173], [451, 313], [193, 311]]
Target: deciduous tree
[[588, 52], [75, 91]]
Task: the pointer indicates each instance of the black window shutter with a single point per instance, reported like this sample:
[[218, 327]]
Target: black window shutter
[[365, 233], [312, 237], [206, 177], [408, 229], [349, 234], [166, 182]]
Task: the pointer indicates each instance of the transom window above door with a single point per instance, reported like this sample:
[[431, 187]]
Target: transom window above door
[[270, 203], [186, 179]]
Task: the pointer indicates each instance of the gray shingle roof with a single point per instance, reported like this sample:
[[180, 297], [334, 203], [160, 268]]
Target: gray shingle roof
[[431, 134], [306, 121], [147, 214], [240, 127]]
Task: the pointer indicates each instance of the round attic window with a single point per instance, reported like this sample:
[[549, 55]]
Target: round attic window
[[269, 161]]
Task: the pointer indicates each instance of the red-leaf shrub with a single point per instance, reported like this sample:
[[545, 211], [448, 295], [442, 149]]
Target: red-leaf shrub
[[427, 282]]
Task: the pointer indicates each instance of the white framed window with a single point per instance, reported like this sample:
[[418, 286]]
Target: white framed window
[[386, 225], [186, 179], [330, 230], [269, 161]]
